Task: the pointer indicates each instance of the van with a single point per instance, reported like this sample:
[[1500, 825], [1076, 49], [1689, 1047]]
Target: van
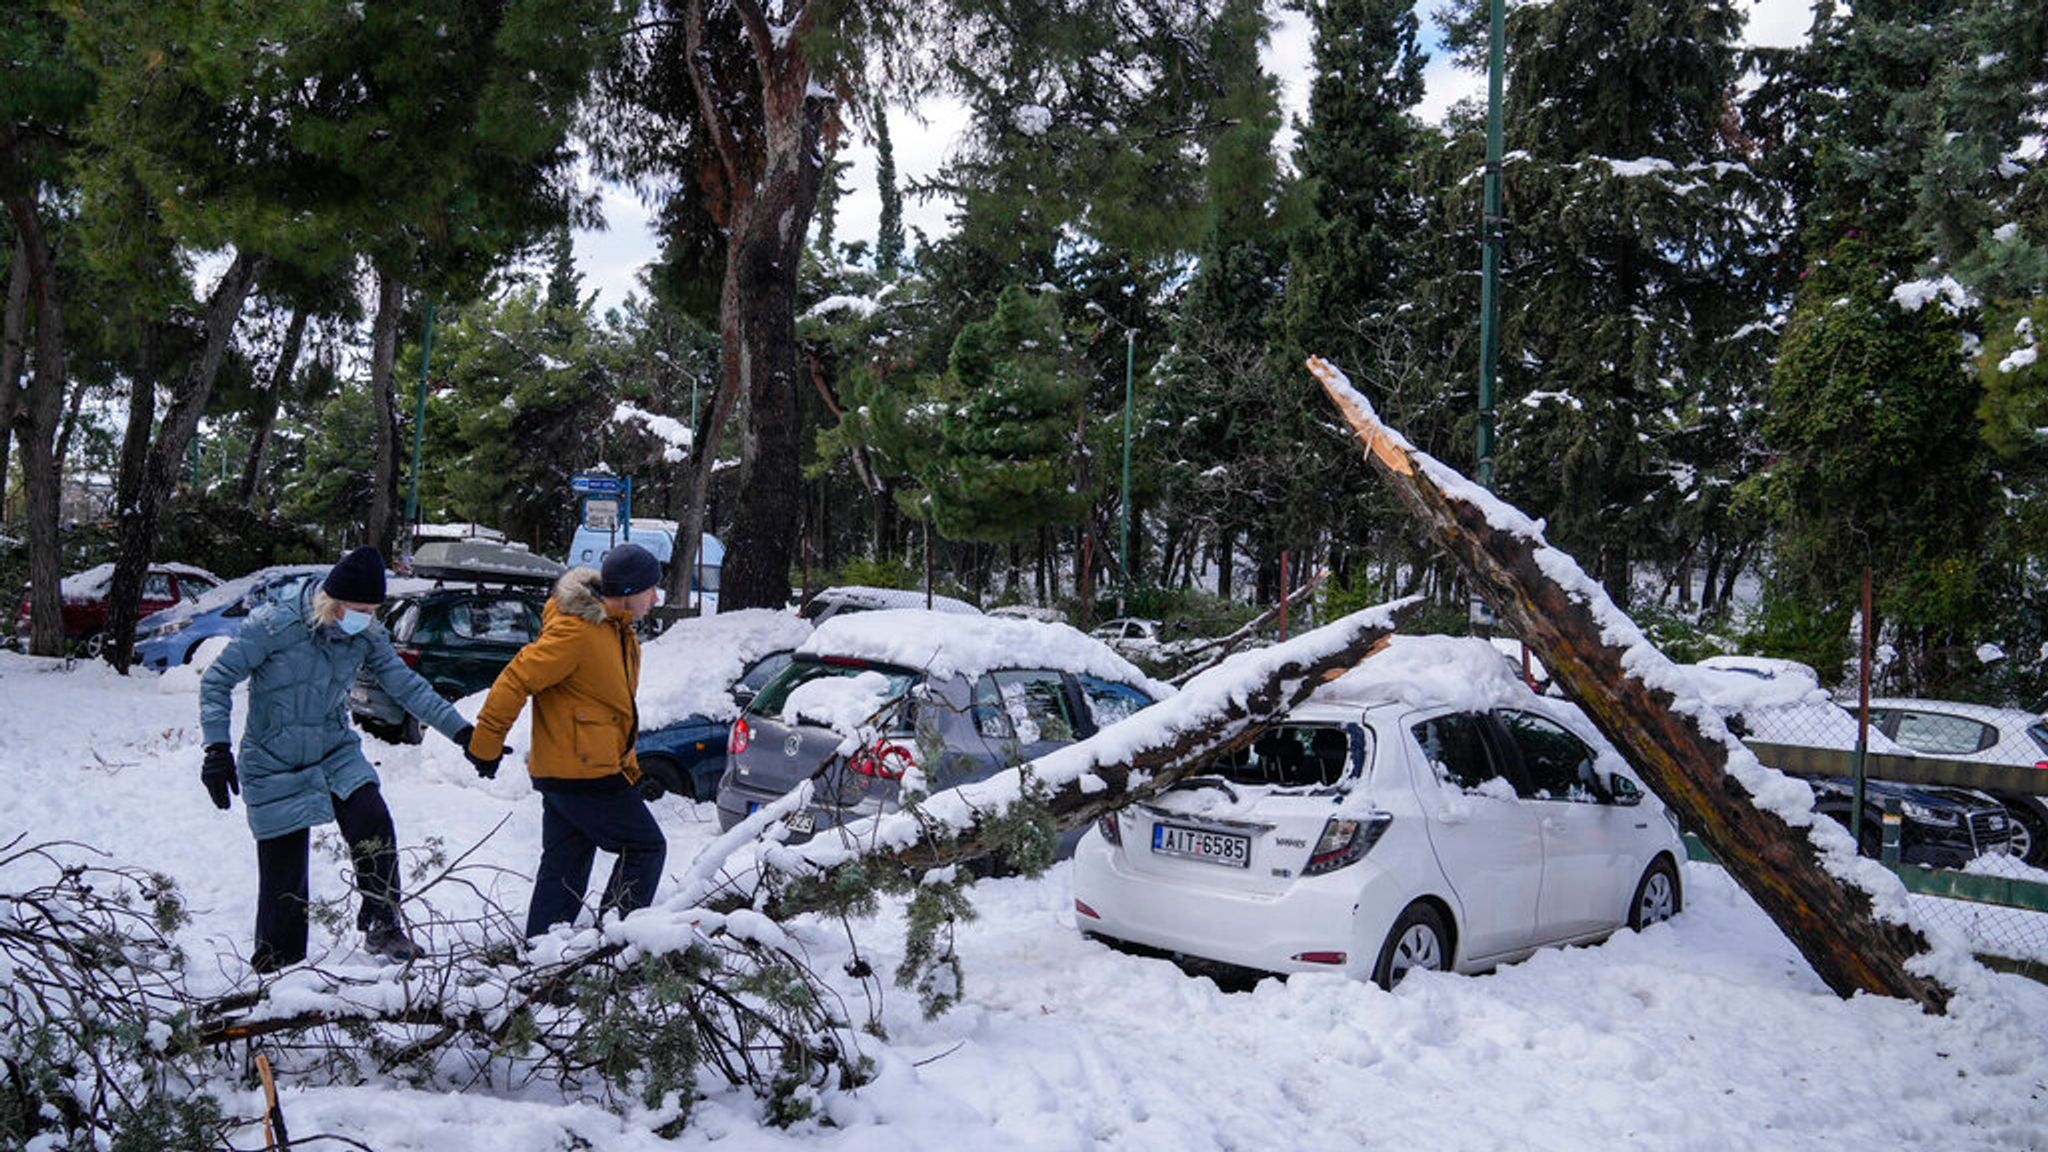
[[587, 549]]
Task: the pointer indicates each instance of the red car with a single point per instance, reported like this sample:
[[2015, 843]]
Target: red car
[[85, 600]]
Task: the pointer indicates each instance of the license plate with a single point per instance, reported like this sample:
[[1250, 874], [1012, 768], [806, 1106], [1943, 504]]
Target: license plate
[[1202, 844]]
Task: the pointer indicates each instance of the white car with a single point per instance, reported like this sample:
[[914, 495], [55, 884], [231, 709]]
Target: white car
[[1424, 811], [1977, 732]]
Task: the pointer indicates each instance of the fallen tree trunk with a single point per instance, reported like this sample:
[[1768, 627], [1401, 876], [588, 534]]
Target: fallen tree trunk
[[1804, 873]]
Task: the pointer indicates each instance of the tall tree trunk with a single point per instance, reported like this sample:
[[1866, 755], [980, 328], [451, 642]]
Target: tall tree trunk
[[1223, 561], [12, 357], [381, 528], [166, 452], [265, 415], [69, 425], [768, 190], [1706, 777], [35, 427]]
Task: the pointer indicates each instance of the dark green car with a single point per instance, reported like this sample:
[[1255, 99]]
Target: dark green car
[[458, 638]]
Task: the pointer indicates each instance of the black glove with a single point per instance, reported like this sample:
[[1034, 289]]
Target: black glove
[[219, 775], [488, 769]]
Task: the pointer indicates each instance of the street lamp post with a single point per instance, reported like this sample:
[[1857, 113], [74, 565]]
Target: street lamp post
[[1490, 234], [1124, 545]]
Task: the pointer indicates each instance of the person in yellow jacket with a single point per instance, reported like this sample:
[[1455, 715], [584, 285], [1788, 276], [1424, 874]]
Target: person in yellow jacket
[[581, 674]]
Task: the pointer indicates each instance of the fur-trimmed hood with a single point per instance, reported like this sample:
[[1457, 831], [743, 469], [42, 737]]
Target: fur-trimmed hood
[[577, 594]]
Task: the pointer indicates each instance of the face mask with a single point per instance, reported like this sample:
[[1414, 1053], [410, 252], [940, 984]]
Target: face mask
[[353, 622]]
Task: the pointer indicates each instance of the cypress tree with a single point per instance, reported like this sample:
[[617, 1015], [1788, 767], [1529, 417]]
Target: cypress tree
[[889, 235]]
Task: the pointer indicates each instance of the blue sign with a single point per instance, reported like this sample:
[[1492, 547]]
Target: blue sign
[[597, 484]]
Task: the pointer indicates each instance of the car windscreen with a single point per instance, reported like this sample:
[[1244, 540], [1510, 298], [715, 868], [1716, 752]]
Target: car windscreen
[[802, 670], [1110, 701], [1297, 756]]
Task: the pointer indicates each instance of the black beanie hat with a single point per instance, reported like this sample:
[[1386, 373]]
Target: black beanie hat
[[359, 578], [629, 568]]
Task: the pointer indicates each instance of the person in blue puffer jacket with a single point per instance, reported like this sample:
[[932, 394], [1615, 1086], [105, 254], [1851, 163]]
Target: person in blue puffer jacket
[[302, 763]]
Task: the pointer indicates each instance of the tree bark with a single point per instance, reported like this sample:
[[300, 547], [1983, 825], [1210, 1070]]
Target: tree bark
[[381, 524], [769, 188], [35, 428], [68, 427], [264, 418], [1571, 628], [166, 453], [12, 357]]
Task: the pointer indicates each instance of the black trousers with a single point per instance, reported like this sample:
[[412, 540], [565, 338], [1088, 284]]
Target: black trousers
[[573, 826], [281, 894]]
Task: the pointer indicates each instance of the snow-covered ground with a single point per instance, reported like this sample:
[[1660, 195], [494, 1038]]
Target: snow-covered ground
[[1705, 1033]]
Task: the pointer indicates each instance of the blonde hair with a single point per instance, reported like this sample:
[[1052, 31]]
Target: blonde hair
[[326, 610]]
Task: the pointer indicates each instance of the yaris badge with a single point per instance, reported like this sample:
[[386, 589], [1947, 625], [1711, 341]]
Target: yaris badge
[[790, 745]]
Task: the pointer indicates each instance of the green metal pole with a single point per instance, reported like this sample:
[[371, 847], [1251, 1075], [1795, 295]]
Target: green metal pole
[[1490, 230], [419, 420], [1130, 374]]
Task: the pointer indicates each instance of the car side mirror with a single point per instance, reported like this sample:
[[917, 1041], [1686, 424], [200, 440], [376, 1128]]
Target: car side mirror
[[742, 695], [1622, 791]]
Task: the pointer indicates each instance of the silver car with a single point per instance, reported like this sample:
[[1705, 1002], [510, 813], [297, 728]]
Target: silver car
[[945, 700]]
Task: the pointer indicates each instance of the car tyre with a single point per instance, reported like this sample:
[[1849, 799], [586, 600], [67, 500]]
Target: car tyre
[[1418, 939], [2029, 829], [661, 775], [1658, 897]]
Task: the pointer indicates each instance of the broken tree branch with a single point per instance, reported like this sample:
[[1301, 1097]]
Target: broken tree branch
[[1805, 874], [1217, 713], [1225, 645]]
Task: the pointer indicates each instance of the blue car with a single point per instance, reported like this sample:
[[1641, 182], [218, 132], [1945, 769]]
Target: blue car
[[166, 639], [687, 756]]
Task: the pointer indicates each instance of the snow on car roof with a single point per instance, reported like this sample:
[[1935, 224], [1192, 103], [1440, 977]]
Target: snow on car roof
[[1987, 713], [690, 669], [884, 598], [1430, 671], [945, 644], [92, 583], [227, 594]]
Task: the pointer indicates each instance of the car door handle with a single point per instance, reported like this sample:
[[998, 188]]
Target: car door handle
[[1446, 816], [1553, 825]]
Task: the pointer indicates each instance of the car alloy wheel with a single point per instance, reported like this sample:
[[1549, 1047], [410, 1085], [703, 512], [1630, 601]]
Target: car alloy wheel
[[1415, 941], [1657, 898]]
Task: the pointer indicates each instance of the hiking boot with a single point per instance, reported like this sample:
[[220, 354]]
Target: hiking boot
[[391, 942]]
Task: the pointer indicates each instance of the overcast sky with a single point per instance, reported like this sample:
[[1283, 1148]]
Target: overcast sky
[[610, 260]]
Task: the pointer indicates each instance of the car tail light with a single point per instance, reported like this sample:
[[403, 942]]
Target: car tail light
[[1321, 957], [883, 761], [1345, 842], [409, 654], [1110, 829], [2042, 764], [1083, 909], [741, 736]]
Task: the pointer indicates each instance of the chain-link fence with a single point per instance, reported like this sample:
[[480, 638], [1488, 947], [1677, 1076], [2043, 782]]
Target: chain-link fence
[[1947, 793]]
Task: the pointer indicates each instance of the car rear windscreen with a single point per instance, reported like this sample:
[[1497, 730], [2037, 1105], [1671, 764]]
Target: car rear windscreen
[[769, 701], [1296, 756]]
